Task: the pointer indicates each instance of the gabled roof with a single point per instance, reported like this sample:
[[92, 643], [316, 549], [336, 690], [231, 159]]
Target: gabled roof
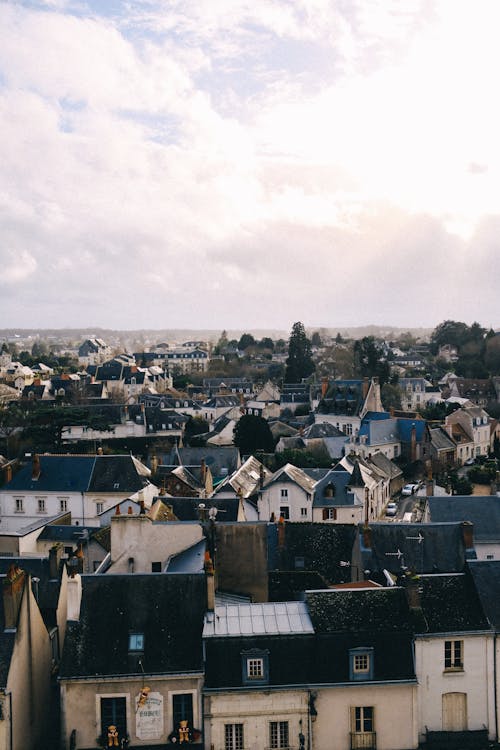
[[481, 510], [440, 440], [333, 490], [420, 547], [167, 609], [216, 459], [67, 473], [292, 474], [247, 478]]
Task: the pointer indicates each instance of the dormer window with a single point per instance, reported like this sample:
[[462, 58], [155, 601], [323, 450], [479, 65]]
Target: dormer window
[[255, 667], [136, 642], [361, 664]]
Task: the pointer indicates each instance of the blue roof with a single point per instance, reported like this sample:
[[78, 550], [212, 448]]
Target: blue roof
[[57, 474], [406, 426]]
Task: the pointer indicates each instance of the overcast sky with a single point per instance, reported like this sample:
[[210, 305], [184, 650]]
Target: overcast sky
[[249, 163]]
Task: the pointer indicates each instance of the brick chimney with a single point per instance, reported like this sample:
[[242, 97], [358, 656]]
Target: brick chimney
[[13, 587], [367, 537], [8, 473], [413, 443], [74, 597], [365, 387], [210, 576], [203, 471], [413, 591], [324, 386], [35, 468], [468, 534], [281, 533], [55, 554]]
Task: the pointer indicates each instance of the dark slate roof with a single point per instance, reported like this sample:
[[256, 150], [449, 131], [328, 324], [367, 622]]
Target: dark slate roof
[[289, 585], [342, 397], [481, 510], [187, 508], [397, 547], [450, 603], [57, 474], [381, 610], [321, 545], [486, 577], [67, 473], [190, 560], [65, 533], [167, 609], [336, 482], [215, 458]]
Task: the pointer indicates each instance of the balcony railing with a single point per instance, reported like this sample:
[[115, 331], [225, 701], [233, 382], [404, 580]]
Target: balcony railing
[[363, 741]]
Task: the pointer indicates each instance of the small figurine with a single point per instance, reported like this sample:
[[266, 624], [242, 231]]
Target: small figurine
[[183, 731], [112, 736], [144, 696]]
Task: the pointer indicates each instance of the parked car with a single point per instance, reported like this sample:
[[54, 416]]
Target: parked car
[[391, 509], [410, 489], [469, 462]]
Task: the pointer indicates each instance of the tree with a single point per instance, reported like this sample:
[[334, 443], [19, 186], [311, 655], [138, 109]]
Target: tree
[[195, 426], [369, 361], [316, 339], [391, 396], [299, 363], [252, 434], [246, 341]]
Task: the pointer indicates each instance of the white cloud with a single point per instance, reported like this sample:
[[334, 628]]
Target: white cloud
[[265, 161]]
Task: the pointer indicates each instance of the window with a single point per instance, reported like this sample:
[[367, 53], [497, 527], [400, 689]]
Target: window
[[136, 642], [99, 508], [19, 504], [454, 655], [233, 737], [300, 563], [278, 734], [116, 486], [182, 709], [255, 667], [362, 719], [285, 512], [41, 505], [63, 505], [361, 663], [284, 493], [329, 514], [303, 512], [156, 567]]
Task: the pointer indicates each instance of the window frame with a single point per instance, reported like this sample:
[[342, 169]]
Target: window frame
[[358, 657], [249, 660], [136, 643], [234, 736], [363, 719], [279, 735], [454, 655]]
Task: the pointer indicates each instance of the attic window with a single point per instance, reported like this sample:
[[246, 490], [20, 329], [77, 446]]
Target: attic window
[[116, 486], [136, 642], [255, 667], [361, 664], [330, 490]]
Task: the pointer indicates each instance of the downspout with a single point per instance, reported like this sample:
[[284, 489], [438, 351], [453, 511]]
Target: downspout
[[495, 690], [11, 729], [83, 509]]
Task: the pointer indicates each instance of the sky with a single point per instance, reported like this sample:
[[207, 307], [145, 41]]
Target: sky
[[249, 163]]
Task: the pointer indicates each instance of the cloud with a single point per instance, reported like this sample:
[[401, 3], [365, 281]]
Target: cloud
[[247, 164]]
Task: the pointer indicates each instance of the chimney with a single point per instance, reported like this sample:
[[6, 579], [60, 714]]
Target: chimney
[[99, 451], [203, 470], [13, 587], [365, 387], [79, 557], [55, 554], [35, 469], [413, 591], [367, 537], [324, 386], [8, 473], [413, 443], [129, 510], [74, 597], [210, 575], [261, 476], [154, 464], [118, 511], [142, 511], [281, 533], [37, 381], [429, 485], [468, 534]]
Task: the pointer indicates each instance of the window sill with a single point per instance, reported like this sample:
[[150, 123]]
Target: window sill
[[453, 670]]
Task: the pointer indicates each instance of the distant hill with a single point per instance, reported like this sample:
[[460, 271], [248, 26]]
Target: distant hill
[[203, 334]]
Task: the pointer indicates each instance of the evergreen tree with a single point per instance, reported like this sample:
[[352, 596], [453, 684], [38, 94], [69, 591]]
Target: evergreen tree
[[252, 434], [299, 363]]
